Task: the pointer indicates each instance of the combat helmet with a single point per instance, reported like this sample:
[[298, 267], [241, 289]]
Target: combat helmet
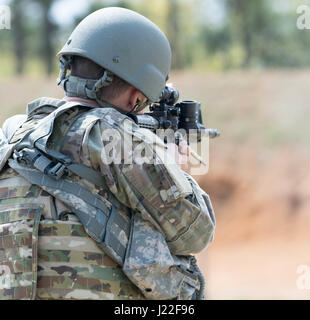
[[125, 44]]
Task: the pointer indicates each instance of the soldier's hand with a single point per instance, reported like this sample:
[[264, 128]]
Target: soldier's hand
[[180, 153]]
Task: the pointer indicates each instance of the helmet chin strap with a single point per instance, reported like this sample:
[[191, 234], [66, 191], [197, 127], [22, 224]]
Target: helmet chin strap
[[80, 87], [64, 65]]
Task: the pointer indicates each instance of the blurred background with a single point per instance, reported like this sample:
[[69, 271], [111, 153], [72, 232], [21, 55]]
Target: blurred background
[[249, 66]]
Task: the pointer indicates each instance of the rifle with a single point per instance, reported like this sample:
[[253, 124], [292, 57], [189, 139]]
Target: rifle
[[183, 117]]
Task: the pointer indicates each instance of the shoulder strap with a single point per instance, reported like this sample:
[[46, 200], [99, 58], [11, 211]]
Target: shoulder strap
[[105, 225], [44, 101], [45, 128]]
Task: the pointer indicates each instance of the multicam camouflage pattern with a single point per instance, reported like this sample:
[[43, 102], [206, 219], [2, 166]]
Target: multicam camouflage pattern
[[19, 222], [51, 259], [71, 266]]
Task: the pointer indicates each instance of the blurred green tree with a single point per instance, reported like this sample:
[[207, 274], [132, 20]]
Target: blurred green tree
[[48, 31], [249, 34], [174, 34], [250, 23], [18, 30]]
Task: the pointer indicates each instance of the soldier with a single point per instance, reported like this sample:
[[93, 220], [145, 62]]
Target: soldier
[[75, 225]]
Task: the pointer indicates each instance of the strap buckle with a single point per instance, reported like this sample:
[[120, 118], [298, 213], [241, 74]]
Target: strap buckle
[[58, 171], [36, 159]]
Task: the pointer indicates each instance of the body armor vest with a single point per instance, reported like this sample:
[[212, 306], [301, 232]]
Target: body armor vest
[[66, 262]]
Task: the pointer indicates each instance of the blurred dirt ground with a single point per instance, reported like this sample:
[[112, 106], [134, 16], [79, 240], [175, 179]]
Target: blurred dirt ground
[[258, 179], [262, 232]]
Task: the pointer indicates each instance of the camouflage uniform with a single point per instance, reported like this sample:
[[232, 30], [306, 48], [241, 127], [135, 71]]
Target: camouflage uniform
[[45, 253]]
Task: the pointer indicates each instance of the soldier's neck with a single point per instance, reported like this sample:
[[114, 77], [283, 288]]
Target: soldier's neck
[[76, 99], [94, 103]]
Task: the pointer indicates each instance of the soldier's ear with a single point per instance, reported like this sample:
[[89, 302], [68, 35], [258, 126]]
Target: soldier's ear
[[133, 97]]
